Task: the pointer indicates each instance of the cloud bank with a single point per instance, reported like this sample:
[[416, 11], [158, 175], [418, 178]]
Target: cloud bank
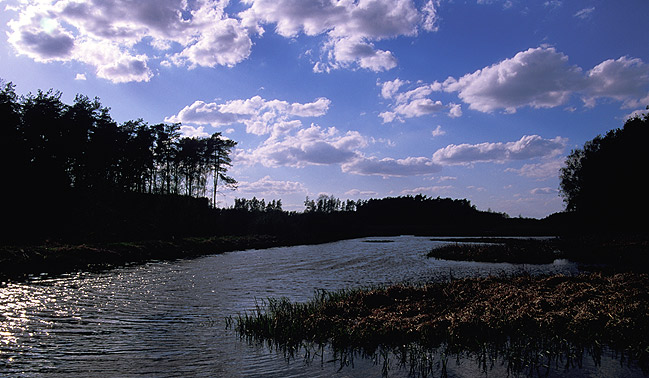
[[124, 40], [542, 78], [526, 148]]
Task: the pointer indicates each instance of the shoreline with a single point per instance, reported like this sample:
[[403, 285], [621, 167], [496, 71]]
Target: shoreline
[[20, 261]]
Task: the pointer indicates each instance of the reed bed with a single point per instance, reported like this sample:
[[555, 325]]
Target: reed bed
[[528, 322], [627, 253], [517, 251]]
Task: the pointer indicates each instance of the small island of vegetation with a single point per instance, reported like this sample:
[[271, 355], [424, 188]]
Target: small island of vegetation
[[529, 323]]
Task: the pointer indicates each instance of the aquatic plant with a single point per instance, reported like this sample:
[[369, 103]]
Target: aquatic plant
[[530, 323], [521, 251]]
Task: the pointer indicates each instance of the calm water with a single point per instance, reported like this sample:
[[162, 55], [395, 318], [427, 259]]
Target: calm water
[[167, 319]]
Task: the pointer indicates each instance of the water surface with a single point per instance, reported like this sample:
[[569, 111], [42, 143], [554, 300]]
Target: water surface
[[167, 319]]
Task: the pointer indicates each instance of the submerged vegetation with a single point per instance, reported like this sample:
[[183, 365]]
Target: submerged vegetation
[[528, 322]]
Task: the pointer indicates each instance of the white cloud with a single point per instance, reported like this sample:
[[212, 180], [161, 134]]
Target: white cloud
[[429, 11], [553, 3], [226, 43], [388, 116], [543, 191], [348, 51], [109, 34], [418, 107], [389, 88], [438, 131], [312, 146], [260, 116], [637, 113], [625, 79], [414, 102], [432, 190], [455, 110], [361, 193], [350, 27], [528, 147], [585, 13], [538, 77], [542, 78], [80, 76], [193, 132], [540, 171], [269, 187], [113, 63], [476, 188], [389, 167]]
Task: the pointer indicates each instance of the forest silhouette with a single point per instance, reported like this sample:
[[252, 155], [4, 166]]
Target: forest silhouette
[[73, 174]]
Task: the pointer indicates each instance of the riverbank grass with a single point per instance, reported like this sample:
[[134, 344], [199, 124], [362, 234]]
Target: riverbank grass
[[527, 321]]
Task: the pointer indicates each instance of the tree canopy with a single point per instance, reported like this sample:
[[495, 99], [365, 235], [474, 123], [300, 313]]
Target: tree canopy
[[55, 147], [606, 179]]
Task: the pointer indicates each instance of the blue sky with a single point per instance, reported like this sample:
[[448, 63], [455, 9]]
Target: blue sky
[[357, 98]]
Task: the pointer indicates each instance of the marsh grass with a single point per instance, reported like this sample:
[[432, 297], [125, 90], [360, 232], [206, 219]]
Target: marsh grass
[[517, 251], [628, 253], [530, 324]]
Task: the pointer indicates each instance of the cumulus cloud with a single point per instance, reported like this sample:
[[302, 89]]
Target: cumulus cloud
[[260, 116], [437, 189], [389, 88], [414, 101], [269, 187], [540, 171], [225, 44], [539, 77], [110, 34], [350, 27], [311, 146], [454, 110], [431, 19], [528, 147], [348, 51], [438, 131], [193, 132], [389, 167], [625, 79], [542, 78]]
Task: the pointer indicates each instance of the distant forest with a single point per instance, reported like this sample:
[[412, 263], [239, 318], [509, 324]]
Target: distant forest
[[73, 174]]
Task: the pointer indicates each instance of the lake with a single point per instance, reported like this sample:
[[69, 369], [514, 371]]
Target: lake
[[168, 319]]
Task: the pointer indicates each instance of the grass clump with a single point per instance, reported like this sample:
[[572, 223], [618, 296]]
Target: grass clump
[[516, 251], [527, 321]]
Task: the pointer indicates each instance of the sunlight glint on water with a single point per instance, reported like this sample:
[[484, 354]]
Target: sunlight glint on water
[[167, 319]]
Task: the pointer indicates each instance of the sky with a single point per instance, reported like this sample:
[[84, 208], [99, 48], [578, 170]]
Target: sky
[[476, 99]]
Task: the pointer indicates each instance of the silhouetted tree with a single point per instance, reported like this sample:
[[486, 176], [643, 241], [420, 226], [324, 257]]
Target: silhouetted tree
[[218, 150], [164, 156], [605, 180], [12, 149]]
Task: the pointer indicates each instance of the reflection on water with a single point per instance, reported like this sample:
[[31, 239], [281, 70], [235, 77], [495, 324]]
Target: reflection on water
[[167, 319]]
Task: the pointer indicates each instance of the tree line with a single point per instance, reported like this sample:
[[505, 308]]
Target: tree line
[[57, 147]]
